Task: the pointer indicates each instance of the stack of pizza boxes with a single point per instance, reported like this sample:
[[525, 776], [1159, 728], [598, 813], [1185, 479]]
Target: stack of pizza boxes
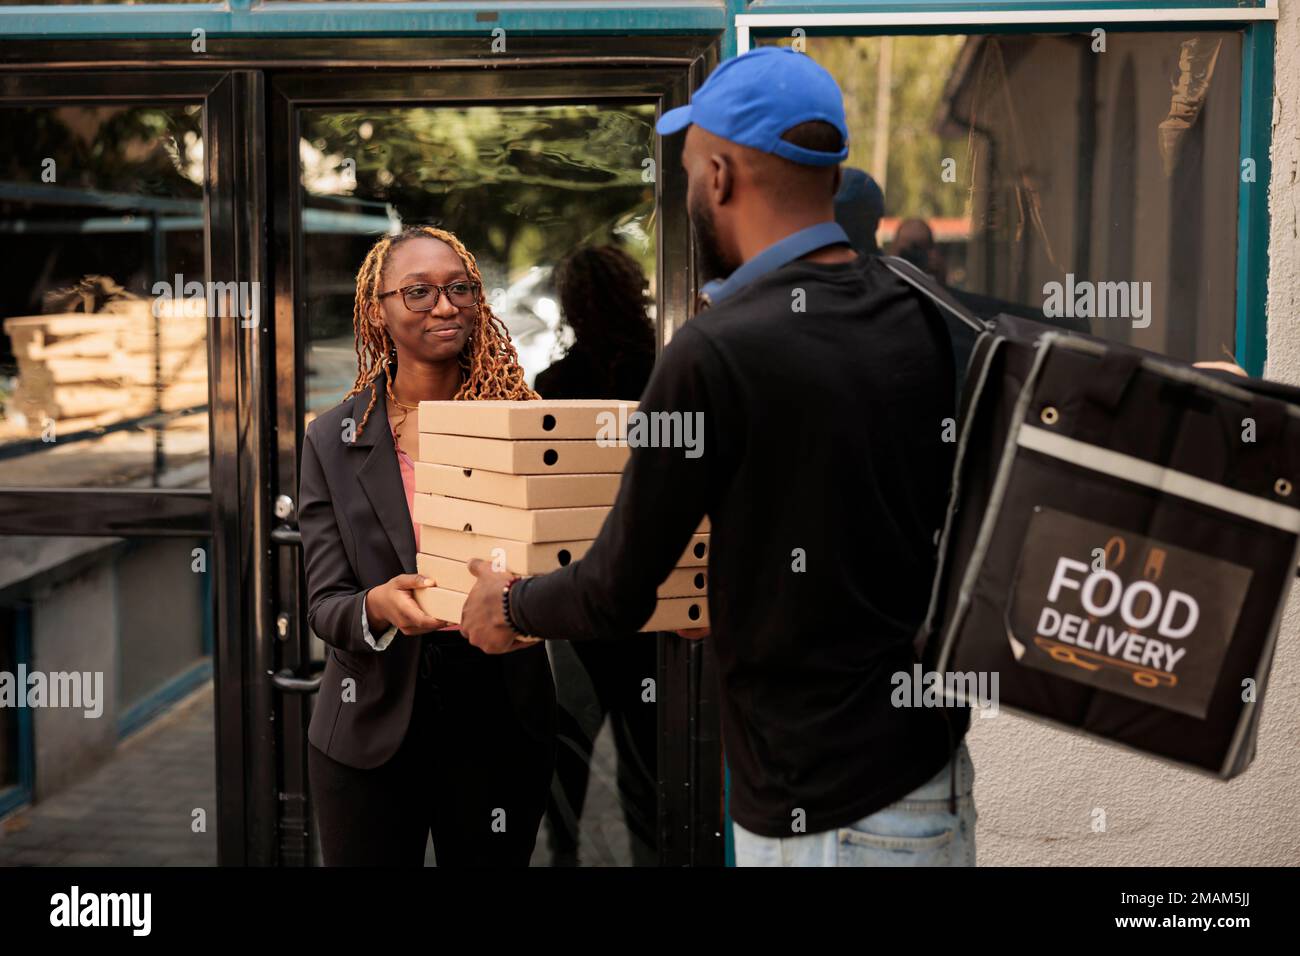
[[526, 486]]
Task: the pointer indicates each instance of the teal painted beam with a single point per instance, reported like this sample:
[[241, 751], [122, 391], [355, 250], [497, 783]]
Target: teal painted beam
[[734, 9], [20, 793], [240, 19], [163, 697], [950, 6], [1252, 198]]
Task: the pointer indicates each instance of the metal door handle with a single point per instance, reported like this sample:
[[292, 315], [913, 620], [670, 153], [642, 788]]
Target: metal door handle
[[304, 681], [286, 535]]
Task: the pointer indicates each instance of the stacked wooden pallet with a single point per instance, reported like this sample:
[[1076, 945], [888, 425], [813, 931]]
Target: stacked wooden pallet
[[527, 486], [83, 370]]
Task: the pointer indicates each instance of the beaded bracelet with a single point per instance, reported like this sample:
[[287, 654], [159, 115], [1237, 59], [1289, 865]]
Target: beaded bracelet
[[505, 608]]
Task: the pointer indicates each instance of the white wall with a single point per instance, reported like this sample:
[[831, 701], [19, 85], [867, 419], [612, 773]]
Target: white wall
[[1037, 788]]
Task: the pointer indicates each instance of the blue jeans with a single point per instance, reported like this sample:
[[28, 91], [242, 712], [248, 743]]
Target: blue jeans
[[917, 830]]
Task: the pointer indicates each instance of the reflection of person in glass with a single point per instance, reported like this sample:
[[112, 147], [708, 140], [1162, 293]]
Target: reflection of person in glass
[[914, 241], [415, 731], [603, 299], [602, 294]]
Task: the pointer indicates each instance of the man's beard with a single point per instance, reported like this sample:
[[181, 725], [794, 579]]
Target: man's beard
[[713, 261]]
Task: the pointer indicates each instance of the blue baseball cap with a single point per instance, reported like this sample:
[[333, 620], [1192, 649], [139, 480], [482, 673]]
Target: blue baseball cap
[[754, 98]]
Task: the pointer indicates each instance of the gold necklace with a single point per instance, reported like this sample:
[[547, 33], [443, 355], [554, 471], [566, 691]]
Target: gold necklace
[[401, 404]]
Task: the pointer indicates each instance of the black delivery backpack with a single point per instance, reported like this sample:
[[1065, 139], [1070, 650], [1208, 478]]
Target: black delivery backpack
[[1120, 541]]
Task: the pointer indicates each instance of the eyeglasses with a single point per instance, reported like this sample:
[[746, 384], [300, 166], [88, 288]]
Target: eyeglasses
[[424, 296]]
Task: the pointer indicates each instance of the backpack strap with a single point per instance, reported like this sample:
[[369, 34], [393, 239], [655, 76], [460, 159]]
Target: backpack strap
[[965, 329], [924, 284]]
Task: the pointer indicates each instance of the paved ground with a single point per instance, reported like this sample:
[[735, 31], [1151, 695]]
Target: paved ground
[[136, 809]]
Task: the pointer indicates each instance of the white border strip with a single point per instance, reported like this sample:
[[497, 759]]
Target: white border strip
[[1162, 479], [975, 18]]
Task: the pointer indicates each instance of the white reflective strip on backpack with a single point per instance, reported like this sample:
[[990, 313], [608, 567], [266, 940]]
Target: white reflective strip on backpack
[[1162, 479]]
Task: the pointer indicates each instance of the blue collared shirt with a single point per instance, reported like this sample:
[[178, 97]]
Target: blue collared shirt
[[780, 253]]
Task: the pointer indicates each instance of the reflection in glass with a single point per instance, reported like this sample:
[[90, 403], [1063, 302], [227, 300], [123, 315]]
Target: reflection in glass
[[103, 358], [120, 634], [1035, 176], [605, 308], [522, 187]]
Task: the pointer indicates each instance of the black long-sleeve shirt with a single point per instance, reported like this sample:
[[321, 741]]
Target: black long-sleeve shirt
[[824, 475]]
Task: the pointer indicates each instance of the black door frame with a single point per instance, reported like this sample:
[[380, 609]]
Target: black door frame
[[250, 90]]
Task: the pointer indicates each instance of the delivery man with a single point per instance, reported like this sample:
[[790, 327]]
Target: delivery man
[[824, 384]]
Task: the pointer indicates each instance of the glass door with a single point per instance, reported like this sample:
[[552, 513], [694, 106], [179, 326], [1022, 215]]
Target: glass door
[[555, 181]]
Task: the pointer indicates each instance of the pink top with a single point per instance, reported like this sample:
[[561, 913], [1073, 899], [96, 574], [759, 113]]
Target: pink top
[[407, 467]]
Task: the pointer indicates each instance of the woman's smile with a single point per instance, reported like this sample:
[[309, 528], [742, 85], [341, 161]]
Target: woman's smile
[[444, 330]]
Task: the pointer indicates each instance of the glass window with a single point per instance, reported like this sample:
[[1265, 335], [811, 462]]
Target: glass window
[[521, 186], [1035, 175], [119, 641], [103, 351]]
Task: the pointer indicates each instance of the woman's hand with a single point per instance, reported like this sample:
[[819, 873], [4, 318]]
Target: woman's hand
[[393, 603]]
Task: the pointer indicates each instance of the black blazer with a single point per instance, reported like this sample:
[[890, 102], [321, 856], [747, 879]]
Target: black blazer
[[356, 534]]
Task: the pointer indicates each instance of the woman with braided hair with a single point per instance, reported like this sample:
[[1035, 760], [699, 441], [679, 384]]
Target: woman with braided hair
[[603, 299], [415, 731]]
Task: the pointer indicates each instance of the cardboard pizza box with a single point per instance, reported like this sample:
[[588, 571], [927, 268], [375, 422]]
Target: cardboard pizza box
[[696, 554], [522, 557], [685, 582], [445, 572], [518, 524], [523, 457], [672, 614], [517, 491], [519, 556], [453, 574], [572, 418], [669, 614], [442, 603]]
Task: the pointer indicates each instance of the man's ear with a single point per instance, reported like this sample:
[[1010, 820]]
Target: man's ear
[[722, 177]]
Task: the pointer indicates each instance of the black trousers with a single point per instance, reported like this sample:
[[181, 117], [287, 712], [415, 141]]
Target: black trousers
[[468, 772]]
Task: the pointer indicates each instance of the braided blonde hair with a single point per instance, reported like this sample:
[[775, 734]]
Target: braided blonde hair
[[489, 364]]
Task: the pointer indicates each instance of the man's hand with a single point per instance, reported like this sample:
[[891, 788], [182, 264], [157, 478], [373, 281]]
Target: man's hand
[[483, 620], [393, 603]]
